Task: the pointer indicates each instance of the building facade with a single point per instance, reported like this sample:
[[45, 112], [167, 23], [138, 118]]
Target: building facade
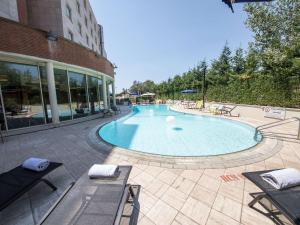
[[49, 72]]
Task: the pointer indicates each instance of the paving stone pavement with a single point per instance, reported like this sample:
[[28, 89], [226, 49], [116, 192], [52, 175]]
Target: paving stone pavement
[[172, 196]]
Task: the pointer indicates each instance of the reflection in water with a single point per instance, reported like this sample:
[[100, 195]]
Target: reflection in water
[[177, 128]]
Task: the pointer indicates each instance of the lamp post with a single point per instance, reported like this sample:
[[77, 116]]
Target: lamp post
[[203, 85]]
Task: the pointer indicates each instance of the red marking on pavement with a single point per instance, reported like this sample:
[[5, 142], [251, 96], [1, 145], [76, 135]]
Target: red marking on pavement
[[231, 177]]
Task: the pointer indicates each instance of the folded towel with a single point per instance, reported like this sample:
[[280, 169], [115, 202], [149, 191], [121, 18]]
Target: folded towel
[[98, 171], [221, 107], [284, 178], [36, 164]]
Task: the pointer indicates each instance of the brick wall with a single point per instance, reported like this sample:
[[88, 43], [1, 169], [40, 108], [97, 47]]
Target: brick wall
[[21, 39]]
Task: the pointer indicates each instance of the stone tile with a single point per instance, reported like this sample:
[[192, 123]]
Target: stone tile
[[167, 177], [143, 179], [141, 166], [193, 175], [183, 220], [135, 171], [175, 223], [214, 173], [146, 221], [162, 213], [228, 207], [146, 201], [217, 218], [154, 170], [252, 217], [232, 191], [157, 188], [196, 210], [204, 195], [174, 198], [209, 182], [184, 185]]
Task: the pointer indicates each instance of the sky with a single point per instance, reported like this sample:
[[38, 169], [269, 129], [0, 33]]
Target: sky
[[158, 39]]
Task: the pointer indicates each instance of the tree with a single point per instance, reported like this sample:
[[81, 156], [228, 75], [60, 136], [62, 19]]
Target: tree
[[238, 61], [221, 68]]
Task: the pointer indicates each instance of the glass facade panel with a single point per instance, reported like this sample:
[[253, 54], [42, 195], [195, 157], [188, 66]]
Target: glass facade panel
[[45, 93], [100, 82], [2, 111], [94, 95], [62, 93], [79, 102], [21, 92], [109, 94]]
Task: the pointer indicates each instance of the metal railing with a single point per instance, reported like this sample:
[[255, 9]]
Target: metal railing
[[278, 123]]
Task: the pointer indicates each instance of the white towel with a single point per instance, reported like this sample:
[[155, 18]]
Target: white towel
[[284, 178], [36, 164], [221, 107], [98, 171]]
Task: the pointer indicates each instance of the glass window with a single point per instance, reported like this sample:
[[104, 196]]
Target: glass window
[[79, 28], [92, 32], [94, 95], [91, 16], [79, 102], [78, 7], [70, 35], [87, 40], [69, 12], [84, 2], [100, 93], [85, 21], [45, 92], [62, 94], [109, 93], [21, 91]]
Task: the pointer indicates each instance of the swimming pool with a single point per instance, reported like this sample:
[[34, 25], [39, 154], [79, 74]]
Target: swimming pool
[[158, 130]]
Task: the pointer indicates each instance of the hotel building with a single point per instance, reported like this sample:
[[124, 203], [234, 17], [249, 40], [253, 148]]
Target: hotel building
[[53, 64]]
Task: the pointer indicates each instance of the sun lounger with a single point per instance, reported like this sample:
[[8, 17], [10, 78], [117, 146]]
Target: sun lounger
[[93, 201], [287, 201], [106, 112], [18, 181], [225, 110], [116, 109]]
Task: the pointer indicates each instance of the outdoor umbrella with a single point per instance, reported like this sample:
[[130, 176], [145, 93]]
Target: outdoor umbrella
[[148, 94], [188, 91], [230, 2]]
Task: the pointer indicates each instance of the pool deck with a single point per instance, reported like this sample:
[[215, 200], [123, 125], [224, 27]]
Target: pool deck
[[171, 193]]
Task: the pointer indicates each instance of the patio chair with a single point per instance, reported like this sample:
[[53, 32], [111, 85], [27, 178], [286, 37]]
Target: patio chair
[[116, 109], [94, 201], [225, 110], [106, 112], [286, 201], [18, 181]]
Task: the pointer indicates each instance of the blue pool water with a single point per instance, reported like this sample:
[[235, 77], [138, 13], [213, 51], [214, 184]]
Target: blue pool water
[[156, 129]]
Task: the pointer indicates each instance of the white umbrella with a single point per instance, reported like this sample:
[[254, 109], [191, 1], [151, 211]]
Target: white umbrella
[[148, 94]]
